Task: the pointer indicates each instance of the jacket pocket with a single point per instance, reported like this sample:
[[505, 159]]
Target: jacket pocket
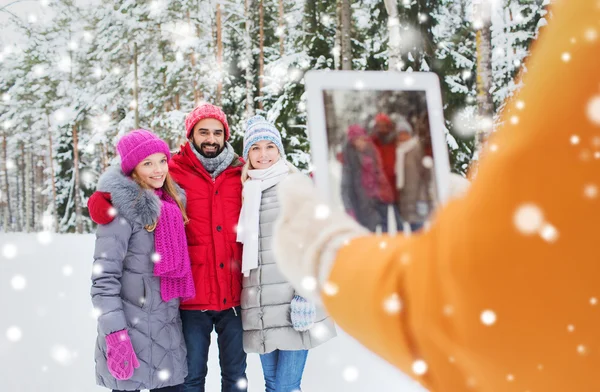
[[199, 258]]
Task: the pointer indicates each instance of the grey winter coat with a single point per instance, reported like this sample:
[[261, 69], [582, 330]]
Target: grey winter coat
[[266, 297], [127, 294]]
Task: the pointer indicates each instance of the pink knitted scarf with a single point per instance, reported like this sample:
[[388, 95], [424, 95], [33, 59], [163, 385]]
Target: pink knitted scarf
[[173, 266]]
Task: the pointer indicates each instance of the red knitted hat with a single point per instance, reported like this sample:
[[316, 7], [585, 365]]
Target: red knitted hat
[[202, 111], [383, 118]]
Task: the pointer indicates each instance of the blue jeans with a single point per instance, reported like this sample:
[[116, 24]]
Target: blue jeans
[[197, 327], [283, 370]]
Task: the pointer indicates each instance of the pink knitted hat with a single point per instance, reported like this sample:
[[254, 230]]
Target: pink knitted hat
[[355, 131], [202, 111], [136, 146]]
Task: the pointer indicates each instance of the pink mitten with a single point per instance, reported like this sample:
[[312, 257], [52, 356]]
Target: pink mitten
[[121, 358]]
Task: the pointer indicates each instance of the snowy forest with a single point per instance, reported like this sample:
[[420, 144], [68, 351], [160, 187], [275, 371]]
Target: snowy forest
[[88, 72]]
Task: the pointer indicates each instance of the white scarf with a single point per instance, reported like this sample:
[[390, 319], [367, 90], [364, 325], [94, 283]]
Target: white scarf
[[401, 151], [248, 225]]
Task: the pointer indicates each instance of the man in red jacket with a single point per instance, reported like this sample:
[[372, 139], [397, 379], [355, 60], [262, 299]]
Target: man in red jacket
[[210, 174]]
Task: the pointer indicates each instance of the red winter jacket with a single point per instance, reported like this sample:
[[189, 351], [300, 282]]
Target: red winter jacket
[[213, 208]]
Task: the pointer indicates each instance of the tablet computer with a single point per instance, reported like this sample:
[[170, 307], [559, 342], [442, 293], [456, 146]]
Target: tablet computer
[[378, 145]]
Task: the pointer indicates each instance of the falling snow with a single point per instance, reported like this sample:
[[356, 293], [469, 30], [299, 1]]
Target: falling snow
[[488, 317]]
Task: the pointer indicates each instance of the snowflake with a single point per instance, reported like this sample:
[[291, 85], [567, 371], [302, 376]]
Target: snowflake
[[112, 211], [510, 378], [155, 257], [382, 245], [591, 34], [593, 110], [488, 317], [581, 349], [330, 288], [593, 301], [9, 251], [97, 269], [493, 147], [419, 367], [448, 310], [309, 283], [67, 270], [242, 383], [528, 219], [73, 45], [61, 354], [6, 97], [514, 120], [14, 334], [566, 57], [44, 237], [549, 233], [95, 313], [590, 191], [350, 374], [322, 211], [164, 375], [570, 328], [65, 65], [319, 332], [427, 162], [39, 70], [574, 140], [392, 304], [18, 282], [98, 72], [359, 85]]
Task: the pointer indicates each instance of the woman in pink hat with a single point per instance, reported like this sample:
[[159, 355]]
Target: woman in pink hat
[[141, 272]]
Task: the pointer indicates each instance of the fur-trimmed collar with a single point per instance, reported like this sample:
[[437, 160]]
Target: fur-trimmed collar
[[131, 201]]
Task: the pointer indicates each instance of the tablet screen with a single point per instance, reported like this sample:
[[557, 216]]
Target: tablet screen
[[381, 159]]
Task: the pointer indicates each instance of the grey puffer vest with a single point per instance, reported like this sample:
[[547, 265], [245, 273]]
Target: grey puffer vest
[[266, 298], [126, 293]]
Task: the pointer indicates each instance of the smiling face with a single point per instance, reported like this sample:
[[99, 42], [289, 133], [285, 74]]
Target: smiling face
[[209, 137], [263, 154], [152, 171]]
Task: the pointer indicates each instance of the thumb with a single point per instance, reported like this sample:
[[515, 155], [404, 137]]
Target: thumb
[[136, 363]]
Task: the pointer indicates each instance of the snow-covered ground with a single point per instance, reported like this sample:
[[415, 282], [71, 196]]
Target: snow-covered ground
[[47, 330]]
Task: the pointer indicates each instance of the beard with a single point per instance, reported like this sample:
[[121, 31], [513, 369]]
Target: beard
[[219, 149]]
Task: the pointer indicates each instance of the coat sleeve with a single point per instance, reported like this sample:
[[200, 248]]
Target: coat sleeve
[[111, 248], [485, 296]]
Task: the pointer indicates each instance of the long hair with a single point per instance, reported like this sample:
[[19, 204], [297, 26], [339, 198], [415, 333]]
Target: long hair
[[169, 188]]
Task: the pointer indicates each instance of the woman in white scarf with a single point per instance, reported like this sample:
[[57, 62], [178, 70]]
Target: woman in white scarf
[[278, 324]]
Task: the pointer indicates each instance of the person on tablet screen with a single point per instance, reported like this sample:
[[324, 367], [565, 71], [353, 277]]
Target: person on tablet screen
[[412, 175], [366, 192]]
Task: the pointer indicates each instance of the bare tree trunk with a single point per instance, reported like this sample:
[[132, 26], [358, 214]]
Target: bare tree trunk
[[52, 179], [42, 199], [337, 47], [135, 85], [8, 223], [29, 199], [485, 103], [193, 62], [77, 186], [261, 56], [21, 188], [281, 28], [219, 55], [346, 39], [394, 48], [249, 60]]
